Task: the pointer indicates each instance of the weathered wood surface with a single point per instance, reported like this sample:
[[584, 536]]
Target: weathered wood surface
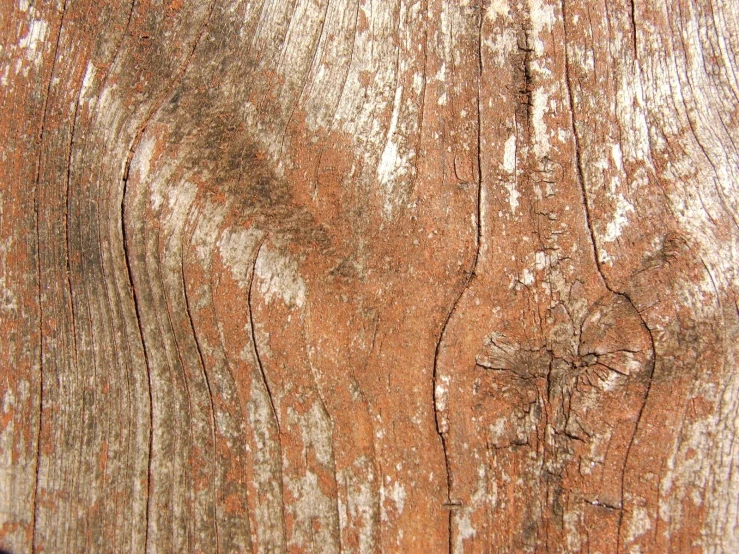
[[363, 276]]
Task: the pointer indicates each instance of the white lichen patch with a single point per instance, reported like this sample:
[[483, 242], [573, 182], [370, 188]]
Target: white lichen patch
[[639, 523], [315, 430], [394, 492], [10, 404], [141, 162], [4, 78], [88, 79], [501, 45], [509, 166], [110, 109], [179, 200], [496, 9], [441, 73], [617, 156], [527, 277], [418, 83], [310, 503], [611, 381], [32, 42], [542, 16], [205, 235], [465, 531], [8, 297], [539, 109], [441, 397], [540, 260], [397, 494], [509, 155], [574, 537], [278, 276], [498, 431], [395, 162], [630, 110], [361, 504], [620, 219], [479, 500], [237, 247]]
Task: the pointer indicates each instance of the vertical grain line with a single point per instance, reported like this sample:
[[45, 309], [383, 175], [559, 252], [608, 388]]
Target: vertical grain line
[[199, 349], [136, 304], [126, 174], [39, 276], [266, 384]]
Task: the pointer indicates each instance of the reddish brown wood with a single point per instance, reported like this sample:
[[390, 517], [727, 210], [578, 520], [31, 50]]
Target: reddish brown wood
[[354, 276]]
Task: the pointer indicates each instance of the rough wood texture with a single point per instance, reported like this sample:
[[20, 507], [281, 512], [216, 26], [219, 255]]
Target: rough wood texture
[[369, 276]]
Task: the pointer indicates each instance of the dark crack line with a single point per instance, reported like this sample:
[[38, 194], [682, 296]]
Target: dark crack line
[[254, 338], [636, 424], [435, 380], [167, 327], [632, 13], [438, 415], [192, 222], [106, 75], [449, 504], [266, 387], [129, 463], [596, 255], [479, 140], [199, 349], [139, 323], [67, 197], [128, 362], [578, 158]]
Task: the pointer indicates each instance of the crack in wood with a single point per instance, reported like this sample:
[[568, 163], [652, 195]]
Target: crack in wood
[[559, 405], [596, 257], [139, 322], [632, 14], [526, 75], [201, 359], [255, 345]]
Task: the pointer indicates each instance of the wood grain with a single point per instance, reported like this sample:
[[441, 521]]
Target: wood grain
[[357, 276]]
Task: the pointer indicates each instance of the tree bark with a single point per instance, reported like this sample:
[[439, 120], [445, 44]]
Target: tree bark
[[359, 276]]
